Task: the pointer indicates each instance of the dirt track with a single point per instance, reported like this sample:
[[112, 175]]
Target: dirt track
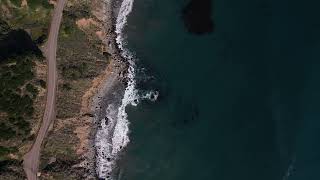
[[31, 159]]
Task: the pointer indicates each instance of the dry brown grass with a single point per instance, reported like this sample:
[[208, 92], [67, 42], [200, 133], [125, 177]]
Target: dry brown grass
[[82, 68]]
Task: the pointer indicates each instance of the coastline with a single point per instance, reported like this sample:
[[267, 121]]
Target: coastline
[[90, 71], [110, 133], [108, 88], [94, 102]]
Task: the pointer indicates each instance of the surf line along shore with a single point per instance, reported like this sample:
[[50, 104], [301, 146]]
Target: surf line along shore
[[114, 74], [31, 159], [107, 102], [112, 131]]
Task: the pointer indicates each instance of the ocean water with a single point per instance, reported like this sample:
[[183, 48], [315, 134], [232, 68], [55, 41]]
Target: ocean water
[[239, 103]]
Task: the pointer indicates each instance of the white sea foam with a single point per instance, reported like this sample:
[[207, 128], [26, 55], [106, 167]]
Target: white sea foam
[[113, 135], [290, 169], [105, 159], [150, 95], [120, 138]]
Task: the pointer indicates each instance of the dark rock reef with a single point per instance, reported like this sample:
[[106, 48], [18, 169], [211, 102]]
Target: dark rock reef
[[197, 17]]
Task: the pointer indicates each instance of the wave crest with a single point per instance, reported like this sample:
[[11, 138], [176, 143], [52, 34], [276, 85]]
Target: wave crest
[[112, 136]]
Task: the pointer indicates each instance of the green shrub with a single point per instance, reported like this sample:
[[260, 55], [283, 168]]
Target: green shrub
[[7, 150], [6, 132], [42, 83], [33, 4], [33, 90], [16, 2], [14, 73]]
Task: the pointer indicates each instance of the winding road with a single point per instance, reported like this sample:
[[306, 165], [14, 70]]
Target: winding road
[[31, 159]]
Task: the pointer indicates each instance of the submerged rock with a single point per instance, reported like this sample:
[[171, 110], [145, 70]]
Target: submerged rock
[[197, 17]]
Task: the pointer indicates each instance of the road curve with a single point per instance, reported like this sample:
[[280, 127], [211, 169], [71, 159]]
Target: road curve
[[31, 159]]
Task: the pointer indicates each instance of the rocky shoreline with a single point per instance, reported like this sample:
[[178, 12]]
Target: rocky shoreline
[[91, 75], [108, 88]]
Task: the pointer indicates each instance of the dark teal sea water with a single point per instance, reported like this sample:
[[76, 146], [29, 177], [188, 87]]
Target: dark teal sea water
[[241, 103]]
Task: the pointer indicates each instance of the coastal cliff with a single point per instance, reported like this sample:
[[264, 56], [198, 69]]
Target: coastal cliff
[[89, 69]]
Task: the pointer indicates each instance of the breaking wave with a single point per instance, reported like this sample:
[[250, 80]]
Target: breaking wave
[[112, 136]]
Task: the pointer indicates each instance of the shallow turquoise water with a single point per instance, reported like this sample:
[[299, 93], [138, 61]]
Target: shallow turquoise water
[[239, 104]]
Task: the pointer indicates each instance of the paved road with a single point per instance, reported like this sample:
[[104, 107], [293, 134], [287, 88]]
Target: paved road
[[31, 159]]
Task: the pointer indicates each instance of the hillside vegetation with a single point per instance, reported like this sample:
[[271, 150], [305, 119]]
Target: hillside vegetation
[[19, 85]]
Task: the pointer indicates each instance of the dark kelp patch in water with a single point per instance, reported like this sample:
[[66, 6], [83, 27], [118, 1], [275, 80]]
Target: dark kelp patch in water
[[197, 17]]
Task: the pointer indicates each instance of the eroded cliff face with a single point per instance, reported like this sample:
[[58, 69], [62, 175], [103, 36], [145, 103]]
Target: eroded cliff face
[[83, 56], [84, 63]]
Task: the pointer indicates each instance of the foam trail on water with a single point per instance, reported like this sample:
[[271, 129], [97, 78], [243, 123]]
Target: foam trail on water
[[290, 169], [113, 134], [120, 138], [105, 159]]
